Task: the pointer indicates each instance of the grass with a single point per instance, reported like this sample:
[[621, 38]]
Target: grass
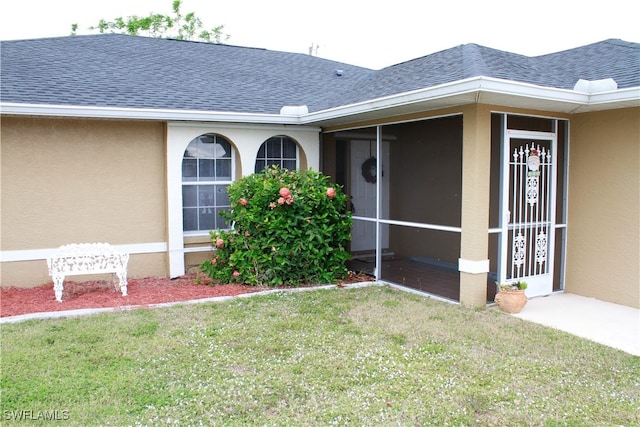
[[369, 356]]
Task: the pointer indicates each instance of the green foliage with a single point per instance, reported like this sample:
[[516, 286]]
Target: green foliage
[[512, 286], [290, 228], [177, 26]]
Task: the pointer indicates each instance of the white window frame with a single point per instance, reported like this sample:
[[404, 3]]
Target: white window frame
[[197, 182]]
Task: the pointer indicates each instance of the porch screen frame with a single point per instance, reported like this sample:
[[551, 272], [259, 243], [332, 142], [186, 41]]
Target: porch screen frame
[[379, 221]]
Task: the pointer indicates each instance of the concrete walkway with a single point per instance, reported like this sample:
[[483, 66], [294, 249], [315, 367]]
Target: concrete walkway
[[613, 325]]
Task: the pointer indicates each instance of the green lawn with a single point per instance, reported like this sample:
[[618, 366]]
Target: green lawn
[[371, 356]]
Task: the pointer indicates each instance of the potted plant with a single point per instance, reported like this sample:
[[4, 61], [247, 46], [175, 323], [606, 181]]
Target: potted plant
[[510, 297]]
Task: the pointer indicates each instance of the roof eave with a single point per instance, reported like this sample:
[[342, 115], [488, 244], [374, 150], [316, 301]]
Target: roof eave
[[485, 90], [95, 112]]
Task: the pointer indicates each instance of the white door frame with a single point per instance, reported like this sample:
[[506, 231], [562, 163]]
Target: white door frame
[[527, 241]]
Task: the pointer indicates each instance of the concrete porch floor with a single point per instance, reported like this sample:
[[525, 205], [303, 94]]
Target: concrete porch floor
[[613, 325]]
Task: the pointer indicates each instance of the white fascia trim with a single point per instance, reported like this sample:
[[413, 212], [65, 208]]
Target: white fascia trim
[[142, 114], [420, 95], [620, 95], [461, 87], [473, 267], [43, 254]]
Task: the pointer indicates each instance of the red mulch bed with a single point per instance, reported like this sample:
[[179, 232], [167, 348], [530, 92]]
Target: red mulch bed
[[141, 292]]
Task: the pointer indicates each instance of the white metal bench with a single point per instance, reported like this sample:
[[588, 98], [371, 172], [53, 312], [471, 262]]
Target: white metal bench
[[87, 258]]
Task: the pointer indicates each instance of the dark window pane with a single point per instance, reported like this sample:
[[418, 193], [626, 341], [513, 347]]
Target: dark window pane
[[260, 164], [189, 196], [288, 149], [530, 123], [206, 195], [274, 147], [223, 170], [222, 198], [206, 170], [207, 218], [289, 164], [221, 222], [189, 219], [189, 170], [223, 150]]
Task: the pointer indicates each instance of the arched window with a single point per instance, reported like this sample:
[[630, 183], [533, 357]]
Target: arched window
[[207, 171], [277, 150]]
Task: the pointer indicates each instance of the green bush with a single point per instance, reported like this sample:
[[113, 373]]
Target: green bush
[[289, 228]]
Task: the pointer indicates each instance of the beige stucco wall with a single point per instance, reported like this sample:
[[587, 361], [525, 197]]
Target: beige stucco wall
[[603, 254], [71, 181], [476, 166]]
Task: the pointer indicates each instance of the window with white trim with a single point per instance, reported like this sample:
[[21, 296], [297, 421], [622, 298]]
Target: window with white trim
[[280, 150], [207, 171]]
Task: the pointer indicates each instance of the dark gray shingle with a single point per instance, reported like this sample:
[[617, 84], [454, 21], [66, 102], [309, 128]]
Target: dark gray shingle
[[137, 72]]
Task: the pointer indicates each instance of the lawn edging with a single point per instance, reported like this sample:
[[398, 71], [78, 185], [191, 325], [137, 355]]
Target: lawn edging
[[91, 311]]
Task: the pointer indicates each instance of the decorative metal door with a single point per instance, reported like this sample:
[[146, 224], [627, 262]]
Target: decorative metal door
[[529, 203]]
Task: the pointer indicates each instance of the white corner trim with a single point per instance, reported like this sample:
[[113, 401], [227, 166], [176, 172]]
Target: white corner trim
[[42, 254], [473, 267]]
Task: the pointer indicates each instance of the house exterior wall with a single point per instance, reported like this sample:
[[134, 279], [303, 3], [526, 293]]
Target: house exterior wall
[[73, 181], [603, 253], [116, 181]]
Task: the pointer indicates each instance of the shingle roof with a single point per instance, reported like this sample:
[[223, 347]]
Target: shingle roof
[[607, 59], [138, 72], [127, 71]]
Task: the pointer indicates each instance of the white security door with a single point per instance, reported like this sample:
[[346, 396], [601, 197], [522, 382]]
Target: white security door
[[529, 204]]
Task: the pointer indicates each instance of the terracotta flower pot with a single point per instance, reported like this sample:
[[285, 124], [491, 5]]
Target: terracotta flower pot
[[511, 301]]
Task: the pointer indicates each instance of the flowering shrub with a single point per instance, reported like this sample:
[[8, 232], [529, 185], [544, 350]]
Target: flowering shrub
[[289, 228]]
